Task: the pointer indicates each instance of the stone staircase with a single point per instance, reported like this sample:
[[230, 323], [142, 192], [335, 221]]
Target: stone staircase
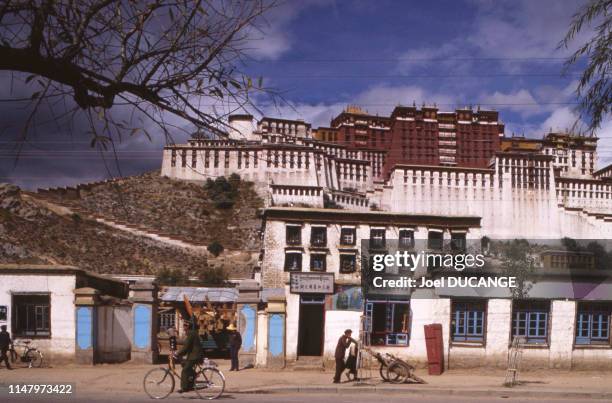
[[307, 363]]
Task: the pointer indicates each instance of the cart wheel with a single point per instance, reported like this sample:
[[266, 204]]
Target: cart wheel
[[398, 372], [383, 373]]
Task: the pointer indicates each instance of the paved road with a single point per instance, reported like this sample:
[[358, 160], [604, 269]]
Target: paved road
[[294, 398]]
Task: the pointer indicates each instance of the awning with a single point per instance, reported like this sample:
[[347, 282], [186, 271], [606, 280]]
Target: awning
[[199, 294]]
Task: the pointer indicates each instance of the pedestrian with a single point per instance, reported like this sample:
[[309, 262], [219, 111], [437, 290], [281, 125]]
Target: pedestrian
[[351, 361], [234, 342], [5, 344], [343, 343], [192, 348]]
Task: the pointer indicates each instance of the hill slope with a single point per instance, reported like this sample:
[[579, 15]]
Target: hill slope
[[50, 227]]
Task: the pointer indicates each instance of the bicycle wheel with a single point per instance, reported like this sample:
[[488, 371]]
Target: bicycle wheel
[[209, 383], [13, 356], [383, 372], [398, 373], [158, 383], [34, 358]]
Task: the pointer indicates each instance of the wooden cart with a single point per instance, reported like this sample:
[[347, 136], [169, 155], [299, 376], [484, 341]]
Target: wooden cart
[[393, 369]]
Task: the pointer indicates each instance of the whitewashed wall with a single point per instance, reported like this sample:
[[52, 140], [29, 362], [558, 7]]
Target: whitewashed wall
[[61, 344]]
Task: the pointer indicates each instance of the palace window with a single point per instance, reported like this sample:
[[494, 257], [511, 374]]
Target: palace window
[[406, 239], [388, 322], [347, 236], [458, 243], [593, 323], [32, 315], [377, 238], [293, 261], [530, 321], [347, 263], [318, 262], [318, 236], [435, 240], [293, 234], [468, 321]]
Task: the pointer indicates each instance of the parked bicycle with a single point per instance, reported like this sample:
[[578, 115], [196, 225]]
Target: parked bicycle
[[209, 381], [30, 355]]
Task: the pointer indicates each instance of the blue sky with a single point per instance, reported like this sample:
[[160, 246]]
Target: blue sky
[[324, 54], [501, 55]]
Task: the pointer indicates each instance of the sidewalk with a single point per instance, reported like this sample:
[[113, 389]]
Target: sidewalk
[[128, 378]]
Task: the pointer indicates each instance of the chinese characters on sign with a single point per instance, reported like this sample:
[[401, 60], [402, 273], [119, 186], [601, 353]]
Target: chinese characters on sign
[[322, 283]]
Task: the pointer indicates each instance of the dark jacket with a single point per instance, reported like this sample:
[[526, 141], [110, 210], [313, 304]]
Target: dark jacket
[[235, 340], [343, 343], [192, 346], [5, 340]]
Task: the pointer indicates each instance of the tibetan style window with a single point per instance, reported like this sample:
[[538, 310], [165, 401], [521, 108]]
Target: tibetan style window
[[377, 238], [388, 322], [530, 321], [435, 240], [458, 242], [31, 315], [347, 236], [293, 234], [406, 239], [318, 237], [318, 262], [167, 320], [593, 323], [348, 263], [293, 261], [468, 321]]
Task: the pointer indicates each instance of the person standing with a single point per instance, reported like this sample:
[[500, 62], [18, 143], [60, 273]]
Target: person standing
[[235, 342], [351, 361], [5, 344], [193, 351], [343, 343]]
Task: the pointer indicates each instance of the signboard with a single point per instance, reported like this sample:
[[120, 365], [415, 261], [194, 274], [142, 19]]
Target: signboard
[[320, 283]]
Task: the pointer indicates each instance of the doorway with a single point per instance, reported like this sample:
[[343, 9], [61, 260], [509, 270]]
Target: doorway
[[311, 325]]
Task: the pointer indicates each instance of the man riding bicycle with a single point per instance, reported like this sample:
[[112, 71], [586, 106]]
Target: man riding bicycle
[[193, 351]]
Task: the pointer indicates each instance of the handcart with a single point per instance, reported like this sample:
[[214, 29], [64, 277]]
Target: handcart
[[393, 369]]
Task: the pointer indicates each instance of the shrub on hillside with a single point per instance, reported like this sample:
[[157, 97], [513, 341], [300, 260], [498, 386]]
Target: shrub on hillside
[[167, 276], [212, 276], [222, 192], [215, 248]]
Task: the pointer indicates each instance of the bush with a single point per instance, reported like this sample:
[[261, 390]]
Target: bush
[[215, 248], [222, 192], [212, 276], [167, 276]]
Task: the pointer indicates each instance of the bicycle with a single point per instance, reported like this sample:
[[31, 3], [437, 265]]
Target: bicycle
[[30, 355], [209, 382]]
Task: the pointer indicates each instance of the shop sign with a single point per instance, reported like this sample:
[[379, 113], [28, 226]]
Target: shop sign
[[321, 283]]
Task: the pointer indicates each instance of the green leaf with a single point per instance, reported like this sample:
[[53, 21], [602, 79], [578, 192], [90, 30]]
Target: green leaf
[[249, 82]]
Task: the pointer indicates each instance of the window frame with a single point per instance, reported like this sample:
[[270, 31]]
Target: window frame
[[531, 308], [603, 310], [383, 243], [288, 238], [345, 255], [353, 232], [324, 258], [313, 230], [466, 337], [17, 331], [286, 263], [429, 240], [389, 319], [401, 245]]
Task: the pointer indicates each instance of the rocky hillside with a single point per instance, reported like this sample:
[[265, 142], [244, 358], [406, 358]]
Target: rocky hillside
[[93, 229], [223, 210]]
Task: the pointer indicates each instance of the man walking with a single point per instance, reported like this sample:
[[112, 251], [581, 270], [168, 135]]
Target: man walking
[[5, 344], [193, 349], [235, 342], [343, 343]]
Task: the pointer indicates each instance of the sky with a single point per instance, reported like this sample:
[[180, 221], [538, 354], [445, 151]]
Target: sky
[[321, 55]]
